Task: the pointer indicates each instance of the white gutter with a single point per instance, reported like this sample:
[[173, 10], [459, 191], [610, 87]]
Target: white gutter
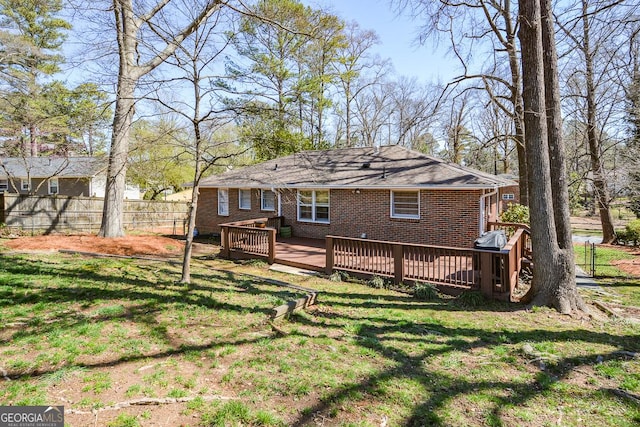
[[482, 210]]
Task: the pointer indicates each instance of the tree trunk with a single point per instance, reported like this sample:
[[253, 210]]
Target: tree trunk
[[113, 209], [601, 192], [127, 25], [559, 184], [347, 113], [523, 179], [516, 100], [33, 140], [568, 297], [188, 246], [193, 207], [553, 279]]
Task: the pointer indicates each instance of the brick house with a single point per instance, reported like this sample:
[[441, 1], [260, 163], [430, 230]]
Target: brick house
[[48, 176], [385, 193]]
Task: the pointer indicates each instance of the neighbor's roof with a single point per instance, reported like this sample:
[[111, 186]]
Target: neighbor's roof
[[385, 167], [46, 167]]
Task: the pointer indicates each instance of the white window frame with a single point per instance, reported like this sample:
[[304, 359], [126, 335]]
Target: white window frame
[[4, 185], [404, 216], [314, 205], [25, 184], [508, 196], [223, 202], [54, 183], [242, 194], [263, 205]]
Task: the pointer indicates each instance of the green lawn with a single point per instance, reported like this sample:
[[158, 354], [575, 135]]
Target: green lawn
[[624, 288], [90, 333]]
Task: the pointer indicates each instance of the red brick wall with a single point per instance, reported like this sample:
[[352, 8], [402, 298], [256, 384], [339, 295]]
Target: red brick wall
[[515, 190], [447, 217], [207, 219]]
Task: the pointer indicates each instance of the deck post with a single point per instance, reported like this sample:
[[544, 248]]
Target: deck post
[[486, 273], [398, 263], [224, 238], [271, 258], [328, 269]]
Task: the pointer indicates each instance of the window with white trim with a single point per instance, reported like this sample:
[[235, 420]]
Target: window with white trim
[[53, 186], [244, 199], [313, 206], [4, 185], [223, 201], [25, 184], [405, 204], [508, 196], [268, 200]]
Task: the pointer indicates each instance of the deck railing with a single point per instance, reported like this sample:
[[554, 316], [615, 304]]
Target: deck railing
[[495, 273], [403, 261], [510, 228], [255, 237], [448, 266]]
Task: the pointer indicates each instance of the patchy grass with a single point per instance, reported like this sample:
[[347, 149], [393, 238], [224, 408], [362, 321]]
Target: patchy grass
[[89, 333], [623, 288], [604, 256]]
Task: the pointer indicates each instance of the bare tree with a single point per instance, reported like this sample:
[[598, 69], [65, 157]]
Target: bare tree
[[199, 106], [412, 111], [471, 27], [371, 107], [553, 276], [457, 133], [495, 132], [139, 30], [357, 71], [592, 32]]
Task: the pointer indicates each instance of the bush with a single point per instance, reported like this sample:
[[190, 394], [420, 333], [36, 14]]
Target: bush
[[621, 237], [634, 205], [377, 282], [425, 292], [471, 299], [631, 233], [338, 276], [516, 213]]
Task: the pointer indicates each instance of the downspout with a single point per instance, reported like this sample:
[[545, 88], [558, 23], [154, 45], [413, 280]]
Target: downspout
[[482, 209]]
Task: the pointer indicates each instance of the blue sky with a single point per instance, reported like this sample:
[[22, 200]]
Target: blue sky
[[397, 36]]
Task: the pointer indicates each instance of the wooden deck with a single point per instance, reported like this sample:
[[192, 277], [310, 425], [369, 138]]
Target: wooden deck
[[297, 252], [494, 273]]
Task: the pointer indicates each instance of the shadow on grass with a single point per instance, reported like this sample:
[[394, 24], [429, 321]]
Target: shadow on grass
[[369, 328], [379, 334], [79, 288]]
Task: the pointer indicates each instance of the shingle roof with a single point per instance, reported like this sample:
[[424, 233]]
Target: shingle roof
[[45, 167], [385, 167]]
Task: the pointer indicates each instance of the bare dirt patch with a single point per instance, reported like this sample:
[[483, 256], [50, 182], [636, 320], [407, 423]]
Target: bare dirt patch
[[632, 265], [150, 245]]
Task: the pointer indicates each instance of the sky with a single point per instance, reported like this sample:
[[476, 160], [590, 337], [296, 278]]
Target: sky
[[397, 36]]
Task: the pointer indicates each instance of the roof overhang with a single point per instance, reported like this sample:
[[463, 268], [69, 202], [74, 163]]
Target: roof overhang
[[360, 187]]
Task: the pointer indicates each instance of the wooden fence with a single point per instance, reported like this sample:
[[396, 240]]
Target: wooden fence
[[46, 214]]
